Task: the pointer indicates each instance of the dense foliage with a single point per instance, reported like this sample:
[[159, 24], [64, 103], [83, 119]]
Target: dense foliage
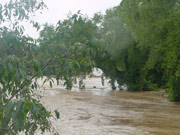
[[135, 43], [70, 43], [20, 109], [64, 52], [142, 40], [155, 27]]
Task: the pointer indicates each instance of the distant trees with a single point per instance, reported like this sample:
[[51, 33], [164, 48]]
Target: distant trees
[[155, 26], [141, 38], [134, 43], [71, 43]]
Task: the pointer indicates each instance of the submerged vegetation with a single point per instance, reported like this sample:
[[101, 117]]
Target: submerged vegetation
[[136, 43]]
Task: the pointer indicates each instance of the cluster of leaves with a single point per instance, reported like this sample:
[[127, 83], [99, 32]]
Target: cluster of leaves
[[64, 51], [141, 45], [155, 26], [120, 58], [70, 42], [20, 109]]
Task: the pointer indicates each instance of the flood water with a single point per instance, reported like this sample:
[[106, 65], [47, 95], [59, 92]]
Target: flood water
[[100, 111]]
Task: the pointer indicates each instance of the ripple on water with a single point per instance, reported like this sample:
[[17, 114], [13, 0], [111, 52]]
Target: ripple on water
[[101, 111]]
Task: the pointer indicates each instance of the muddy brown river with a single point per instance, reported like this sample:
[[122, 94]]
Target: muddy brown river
[[100, 111]]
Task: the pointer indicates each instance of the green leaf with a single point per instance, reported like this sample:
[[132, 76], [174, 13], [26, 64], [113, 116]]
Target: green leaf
[[57, 114], [20, 112], [8, 112], [28, 106]]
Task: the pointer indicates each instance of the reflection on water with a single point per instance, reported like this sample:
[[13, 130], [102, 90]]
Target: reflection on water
[[100, 111]]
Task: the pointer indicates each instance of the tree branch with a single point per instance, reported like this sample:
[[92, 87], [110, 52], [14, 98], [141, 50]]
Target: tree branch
[[25, 83]]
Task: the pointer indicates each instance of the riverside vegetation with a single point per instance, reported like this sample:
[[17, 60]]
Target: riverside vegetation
[[136, 43]]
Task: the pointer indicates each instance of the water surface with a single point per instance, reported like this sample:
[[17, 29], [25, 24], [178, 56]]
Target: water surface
[[100, 111]]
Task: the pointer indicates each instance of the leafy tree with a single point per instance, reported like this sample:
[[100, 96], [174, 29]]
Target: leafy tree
[[119, 57], [20, 109], [155, 26], [129, 46], [65, 52], [71, 46]]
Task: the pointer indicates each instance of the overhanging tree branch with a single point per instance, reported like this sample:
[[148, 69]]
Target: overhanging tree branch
[[25, 83]]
